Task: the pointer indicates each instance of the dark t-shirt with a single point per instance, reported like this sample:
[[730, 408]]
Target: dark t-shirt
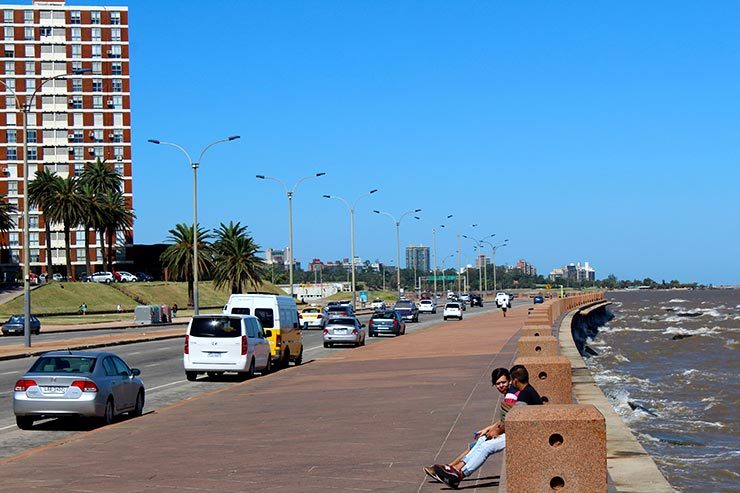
[[528, 395]]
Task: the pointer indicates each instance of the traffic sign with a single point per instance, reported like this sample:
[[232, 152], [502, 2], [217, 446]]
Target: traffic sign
[[442, 278]]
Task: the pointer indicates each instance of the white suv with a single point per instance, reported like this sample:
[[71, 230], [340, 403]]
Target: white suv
[[453, 310], [106, 277], [127, 276], [215, 344], [427, 306], [502, 299]]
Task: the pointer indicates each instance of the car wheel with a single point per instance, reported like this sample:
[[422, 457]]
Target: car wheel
[[286, 359], [250, 372], [299, 359], [139, 407], [191, 376], [326, 344], [445, 318], [268, 367], [109, 415], [24, 422]]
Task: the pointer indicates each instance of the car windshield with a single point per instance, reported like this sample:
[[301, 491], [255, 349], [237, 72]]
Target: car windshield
[[65, 364], [216, 327], [425, 302], [338, 308], [15, 319], [384, 315], [342, 321], [454, 306], [310, 310], [404, 304]]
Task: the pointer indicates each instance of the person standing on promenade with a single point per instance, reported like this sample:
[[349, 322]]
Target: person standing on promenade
[[174, 311], [491, 439]]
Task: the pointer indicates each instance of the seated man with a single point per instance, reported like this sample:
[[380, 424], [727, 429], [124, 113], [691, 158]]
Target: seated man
[[492, 438]]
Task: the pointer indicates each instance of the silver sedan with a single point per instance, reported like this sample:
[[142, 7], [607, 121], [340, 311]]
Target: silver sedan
[[77, 383], [346, 330]]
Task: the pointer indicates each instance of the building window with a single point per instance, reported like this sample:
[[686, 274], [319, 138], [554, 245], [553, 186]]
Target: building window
[[77, 137], [118, 135], [33, 153], [8, 16], [45, 31], [97, 102], [30, 67], [115, 18], [30, 85], [33, 254], [115, 51], [9, 67], [98, 135], [10, 85], [76, 51], [95, 33], [11, 153], [28, 34], [118, 152], [98, 151], [9, 101], [117, 85], [79, 168], [97, 85], [13, 239], [76, 85], [79, 237], [95, 17], [76, 66], [12, 187], [119, 168], [115, 34], [116, 68], [80, 252], [31, 137], [33, 221], [76, 34], [97, 51], [78, 153], [12, 137], [74, 17], [9, 51], [30, 51], [97, 68], [76, 102], [8, 32], [117, 102], [28, 16]]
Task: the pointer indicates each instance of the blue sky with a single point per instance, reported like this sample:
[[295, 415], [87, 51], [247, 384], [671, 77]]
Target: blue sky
[[581, 131]]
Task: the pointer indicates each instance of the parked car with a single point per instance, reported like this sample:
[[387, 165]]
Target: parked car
[[57, 277], [123, 276], [386, 322], [84, 277], [344, 330], [215, 344], [378, 304], [476, 300], [77, 383], [538, 298], [105, 277], [143, 276], [16, 325], [408, 310], [453, 309], [311, 316], [502, 299], [427, 306]]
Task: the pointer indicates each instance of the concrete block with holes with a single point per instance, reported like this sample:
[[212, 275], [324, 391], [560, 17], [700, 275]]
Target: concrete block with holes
[[555, 448], [550, 376], [536, 330], [544, 345]]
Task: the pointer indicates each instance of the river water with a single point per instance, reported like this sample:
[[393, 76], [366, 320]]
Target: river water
[[678, 395]]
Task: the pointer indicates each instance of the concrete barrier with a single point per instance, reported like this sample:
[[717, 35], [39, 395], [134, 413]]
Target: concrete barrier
[[550, 376], [545, 345], [536, 330], [555, 448]]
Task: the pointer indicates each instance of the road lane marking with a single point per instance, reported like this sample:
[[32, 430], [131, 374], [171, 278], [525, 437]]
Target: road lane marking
[[9, 372], [312, 348], [8, 427], [164, 385], [153, 364]]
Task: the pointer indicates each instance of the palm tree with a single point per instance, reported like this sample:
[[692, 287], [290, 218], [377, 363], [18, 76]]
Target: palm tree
[[98, 179], [67, 207], [6, 211], [40, 193], [116, 216], [178, 257], [235, 258]]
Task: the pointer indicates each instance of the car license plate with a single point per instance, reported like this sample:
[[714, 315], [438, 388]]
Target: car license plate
[[340, 331], [53, 390], [214, 355]]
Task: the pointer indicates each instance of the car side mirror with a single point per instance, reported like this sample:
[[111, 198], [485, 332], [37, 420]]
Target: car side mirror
[[135, 372], [268, 334]]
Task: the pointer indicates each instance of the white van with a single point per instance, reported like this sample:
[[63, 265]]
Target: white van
[[218, 343], [277, 314]]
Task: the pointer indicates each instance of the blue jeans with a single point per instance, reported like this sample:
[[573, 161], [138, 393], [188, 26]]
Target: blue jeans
[[481, 451]]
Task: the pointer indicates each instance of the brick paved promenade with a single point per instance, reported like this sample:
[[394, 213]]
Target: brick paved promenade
[[366, 419]]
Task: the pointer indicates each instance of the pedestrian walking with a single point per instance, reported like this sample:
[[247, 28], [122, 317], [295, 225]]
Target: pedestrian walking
[[118, 308], [83, 308], [173, 310]]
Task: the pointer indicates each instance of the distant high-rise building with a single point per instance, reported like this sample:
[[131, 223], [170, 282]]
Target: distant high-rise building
[[72, 120], [575, 272], [417, 257], [481, 261], [526, 268]]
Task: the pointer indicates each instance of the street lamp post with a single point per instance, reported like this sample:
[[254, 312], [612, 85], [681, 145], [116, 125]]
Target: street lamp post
[[195, 166], [351, 209], [398, 241], [290, 194], [434, 245], [493, 258], [444, 289], [24, 109]]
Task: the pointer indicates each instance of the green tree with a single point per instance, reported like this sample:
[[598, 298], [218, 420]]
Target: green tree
[[67, 207], [97, 180], [40, 194], [116, 216], [6, 211], [178, 257], [235, 260]]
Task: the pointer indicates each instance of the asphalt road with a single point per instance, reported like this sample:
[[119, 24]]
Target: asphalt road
[[161, 366], [62, 336]]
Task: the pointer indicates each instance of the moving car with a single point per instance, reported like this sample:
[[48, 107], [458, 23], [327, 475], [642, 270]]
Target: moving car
[[408, 310], [538, 298], [311, 317], [16, 325], [278, 316], [476, 300], [378, 304], [123, 276], [105, 277], [347, 330], [77, 383], [215, 344], [427, 306], [502, 299], [465, 297], [386, 322], [453, 309]]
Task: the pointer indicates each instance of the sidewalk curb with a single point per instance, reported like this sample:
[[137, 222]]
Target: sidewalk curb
[[122, 327]]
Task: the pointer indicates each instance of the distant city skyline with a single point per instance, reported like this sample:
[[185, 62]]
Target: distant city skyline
[[541, 123]]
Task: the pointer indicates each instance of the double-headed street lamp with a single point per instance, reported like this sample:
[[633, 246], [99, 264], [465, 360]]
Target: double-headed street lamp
[[444, 290], [434, 245], [24, 109], [351, 209], [195, 166], [493, 257], [290, 194], [398, 241], [481, 262]]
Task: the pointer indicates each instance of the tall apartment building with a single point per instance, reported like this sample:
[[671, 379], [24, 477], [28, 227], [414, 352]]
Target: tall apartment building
[[526, 267], [417, 257], [72, 120]]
